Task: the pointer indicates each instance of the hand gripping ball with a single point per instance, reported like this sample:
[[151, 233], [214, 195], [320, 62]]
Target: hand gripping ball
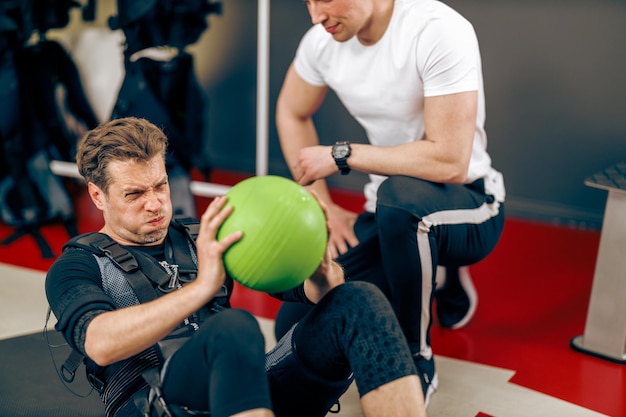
[[284, 233]]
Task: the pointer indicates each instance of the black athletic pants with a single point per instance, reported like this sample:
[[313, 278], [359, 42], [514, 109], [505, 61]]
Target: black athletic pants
[[351, 334], [417, 225]]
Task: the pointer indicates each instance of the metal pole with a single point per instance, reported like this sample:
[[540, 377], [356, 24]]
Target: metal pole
[[262, 114]]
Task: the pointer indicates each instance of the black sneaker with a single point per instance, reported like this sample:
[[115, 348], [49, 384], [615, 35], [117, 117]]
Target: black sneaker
[[456, 297], [428, 376]]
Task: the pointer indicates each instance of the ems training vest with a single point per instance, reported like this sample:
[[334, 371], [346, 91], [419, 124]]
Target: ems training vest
[[131, 277]]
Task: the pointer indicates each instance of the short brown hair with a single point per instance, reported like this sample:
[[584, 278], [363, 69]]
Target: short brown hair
[[118, 140]]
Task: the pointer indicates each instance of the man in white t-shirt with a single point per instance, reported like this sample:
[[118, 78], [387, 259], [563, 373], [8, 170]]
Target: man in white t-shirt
[[409, 71]]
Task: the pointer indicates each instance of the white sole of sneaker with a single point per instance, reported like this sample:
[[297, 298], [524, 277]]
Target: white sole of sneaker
[[466, 282], [431, 389]]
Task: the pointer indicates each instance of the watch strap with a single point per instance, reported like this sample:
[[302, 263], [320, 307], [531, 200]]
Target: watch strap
[[342, 161]]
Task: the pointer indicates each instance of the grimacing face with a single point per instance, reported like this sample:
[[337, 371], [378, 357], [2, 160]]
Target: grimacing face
[[137, 208]]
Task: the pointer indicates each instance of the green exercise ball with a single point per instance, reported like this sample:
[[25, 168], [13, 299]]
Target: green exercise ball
[[284, 233]]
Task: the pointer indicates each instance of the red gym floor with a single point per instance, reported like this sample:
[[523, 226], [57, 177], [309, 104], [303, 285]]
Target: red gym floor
[[533, 294]]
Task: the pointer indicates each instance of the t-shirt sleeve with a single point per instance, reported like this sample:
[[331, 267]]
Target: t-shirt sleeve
[[75, 295], [306, 57], [448, 57]]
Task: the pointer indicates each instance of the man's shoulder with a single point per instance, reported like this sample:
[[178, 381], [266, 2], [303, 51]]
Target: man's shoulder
[[92, 241], [426, 12], [75, 258], [72, 263], [316, 37]]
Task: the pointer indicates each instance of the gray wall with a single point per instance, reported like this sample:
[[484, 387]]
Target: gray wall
[[554, 74]]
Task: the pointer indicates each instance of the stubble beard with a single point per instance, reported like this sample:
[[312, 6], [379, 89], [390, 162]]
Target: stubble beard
[[152, 237]]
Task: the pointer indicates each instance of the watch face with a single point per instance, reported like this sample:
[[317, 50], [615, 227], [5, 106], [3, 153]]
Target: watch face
[[341, 150]]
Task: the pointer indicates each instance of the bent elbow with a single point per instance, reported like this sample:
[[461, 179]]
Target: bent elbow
[[100, 351], [102, 362], [100, 356], [459, 177], [456, 173]]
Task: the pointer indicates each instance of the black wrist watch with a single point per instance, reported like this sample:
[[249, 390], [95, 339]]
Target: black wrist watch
[[341, 152]]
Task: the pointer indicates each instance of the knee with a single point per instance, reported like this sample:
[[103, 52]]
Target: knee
[[390, 187], [397, 186], [357, 296], [412, 195], [393, 207], [236, 329]]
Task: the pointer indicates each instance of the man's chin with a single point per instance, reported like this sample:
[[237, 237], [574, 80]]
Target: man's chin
[[154, 237]]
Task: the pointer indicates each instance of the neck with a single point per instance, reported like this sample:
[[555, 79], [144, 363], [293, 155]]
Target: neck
[[381, 16]]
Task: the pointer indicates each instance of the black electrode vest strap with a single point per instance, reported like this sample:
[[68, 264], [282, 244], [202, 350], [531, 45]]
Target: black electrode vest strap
[[123, 259], [141, 271], [138, 268], [190, 227]]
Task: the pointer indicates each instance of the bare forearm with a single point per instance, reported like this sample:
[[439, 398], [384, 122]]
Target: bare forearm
[[420, 159], [119, 334], [294, 134]]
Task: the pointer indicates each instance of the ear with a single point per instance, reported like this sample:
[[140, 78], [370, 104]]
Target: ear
[[96, 194]]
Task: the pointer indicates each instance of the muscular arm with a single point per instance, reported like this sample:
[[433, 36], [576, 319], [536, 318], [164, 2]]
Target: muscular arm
[[442, 155], [119, 334], [297, 102]]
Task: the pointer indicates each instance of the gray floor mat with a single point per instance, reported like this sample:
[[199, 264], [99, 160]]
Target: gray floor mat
[[30, 387]]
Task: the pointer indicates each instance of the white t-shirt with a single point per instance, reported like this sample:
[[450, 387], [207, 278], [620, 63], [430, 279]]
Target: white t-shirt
[[427, 50]]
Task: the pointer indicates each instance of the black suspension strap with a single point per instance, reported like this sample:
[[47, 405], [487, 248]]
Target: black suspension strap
[[128, 263]]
